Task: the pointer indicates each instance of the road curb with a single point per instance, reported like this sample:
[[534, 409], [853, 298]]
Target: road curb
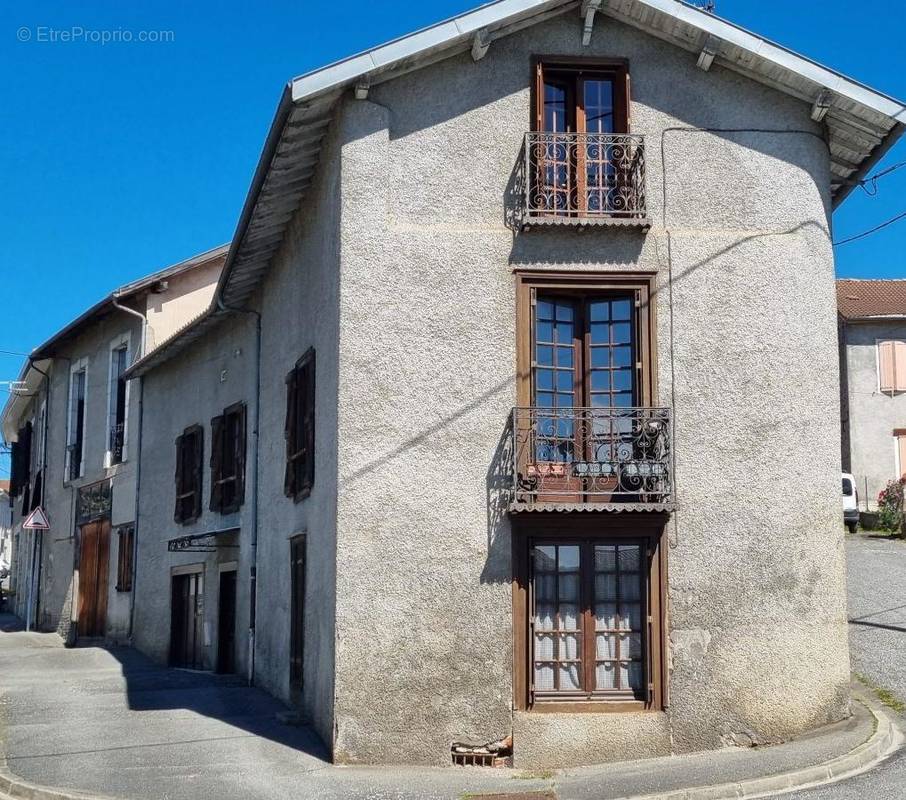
[[886, 740]]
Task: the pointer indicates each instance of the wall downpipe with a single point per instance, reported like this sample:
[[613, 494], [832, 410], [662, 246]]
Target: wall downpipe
[[138, 460], [253, 502]]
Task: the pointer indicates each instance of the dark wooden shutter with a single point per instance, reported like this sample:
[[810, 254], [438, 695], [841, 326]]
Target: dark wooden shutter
[[198, 468], [308, 423], [217, 432], [177, 513], [289, 431], [240, 455]]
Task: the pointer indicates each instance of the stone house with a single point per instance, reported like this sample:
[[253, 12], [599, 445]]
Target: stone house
[[6, 534], [74, 425], [518, 298], [471, 440], [872, 340]]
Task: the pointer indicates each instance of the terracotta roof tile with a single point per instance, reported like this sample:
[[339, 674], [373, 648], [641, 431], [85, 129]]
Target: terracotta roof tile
[[859, 299]]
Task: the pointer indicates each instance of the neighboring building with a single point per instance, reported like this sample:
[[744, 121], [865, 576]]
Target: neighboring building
[[483, 216], [194, 534], [872, 338], [73, 422], [6, 537]]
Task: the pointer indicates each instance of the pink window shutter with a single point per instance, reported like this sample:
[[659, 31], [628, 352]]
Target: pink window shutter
[[901, 446], [899, 366], [886, 366]]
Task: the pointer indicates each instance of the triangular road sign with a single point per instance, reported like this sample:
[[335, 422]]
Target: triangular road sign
[[37, 520]]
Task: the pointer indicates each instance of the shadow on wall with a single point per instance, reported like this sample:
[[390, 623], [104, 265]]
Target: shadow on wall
[[499, 484]]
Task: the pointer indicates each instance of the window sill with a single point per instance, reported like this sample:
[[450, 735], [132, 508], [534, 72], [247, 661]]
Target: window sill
[[298, 497], [591, 707]]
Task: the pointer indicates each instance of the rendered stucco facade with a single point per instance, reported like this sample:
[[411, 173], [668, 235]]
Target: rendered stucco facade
[[427, 322], [214, 375], [399, 271], [46, 567], [57, 548], [870, 415]]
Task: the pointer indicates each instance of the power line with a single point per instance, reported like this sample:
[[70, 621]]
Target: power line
[[873, 179], [862, 235]]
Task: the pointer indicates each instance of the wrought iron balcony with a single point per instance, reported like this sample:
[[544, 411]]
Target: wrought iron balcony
[[608, 457], [117, 439], [584, 178]]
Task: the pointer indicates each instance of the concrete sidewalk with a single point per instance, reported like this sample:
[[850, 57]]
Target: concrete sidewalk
[[113, 724]]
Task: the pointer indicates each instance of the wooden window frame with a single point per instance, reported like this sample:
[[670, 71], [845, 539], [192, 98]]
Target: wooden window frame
[[183, 490], [125, 558], [299, 427], [641, 285], [220, 445], [76, 429], [604, 529], [615, 68], [571, 72]]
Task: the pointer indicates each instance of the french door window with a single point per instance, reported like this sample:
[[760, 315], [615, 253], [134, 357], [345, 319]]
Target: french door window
[[583, 159], [587, 607], [584, 365]]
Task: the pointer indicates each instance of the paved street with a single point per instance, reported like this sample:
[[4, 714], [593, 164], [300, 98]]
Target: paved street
[[113, 722], [876, 577]]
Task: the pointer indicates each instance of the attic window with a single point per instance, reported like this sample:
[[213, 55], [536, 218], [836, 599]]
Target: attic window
[[581, 161]]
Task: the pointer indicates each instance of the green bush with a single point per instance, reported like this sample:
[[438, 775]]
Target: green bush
[[890, 506]]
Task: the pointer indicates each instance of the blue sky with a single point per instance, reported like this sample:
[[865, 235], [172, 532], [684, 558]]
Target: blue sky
[[119, 159]]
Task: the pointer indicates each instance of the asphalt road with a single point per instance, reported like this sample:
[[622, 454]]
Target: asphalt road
[[876, 579], [110, 721]]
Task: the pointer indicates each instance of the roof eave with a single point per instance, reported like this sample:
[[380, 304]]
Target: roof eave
[[869, 164]]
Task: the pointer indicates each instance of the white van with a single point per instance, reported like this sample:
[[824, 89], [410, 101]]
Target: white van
[[850, 502]]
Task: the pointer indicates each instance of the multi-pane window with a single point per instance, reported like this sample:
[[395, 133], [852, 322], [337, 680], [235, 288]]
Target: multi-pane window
[[228, 459], [125, 545], [584, 352], [75, 440], [116, 404], [587, 608], [189, 455], [582, 158], [299, 429], [584, 357]]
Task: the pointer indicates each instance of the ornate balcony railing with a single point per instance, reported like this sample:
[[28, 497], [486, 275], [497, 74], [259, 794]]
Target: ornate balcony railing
[[572, 177], [117, 440], [602, 456]]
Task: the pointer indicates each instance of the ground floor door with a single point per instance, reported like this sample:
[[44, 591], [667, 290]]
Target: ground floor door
[[297, 615], [226, 622], [187, 625], [94, 564]]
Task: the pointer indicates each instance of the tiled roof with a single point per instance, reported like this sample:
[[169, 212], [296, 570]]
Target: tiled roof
[[859, 299]]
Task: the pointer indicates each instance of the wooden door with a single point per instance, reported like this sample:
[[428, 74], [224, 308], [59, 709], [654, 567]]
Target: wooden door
[[226, 622], [297, 616], [187, 617], [94, 564]]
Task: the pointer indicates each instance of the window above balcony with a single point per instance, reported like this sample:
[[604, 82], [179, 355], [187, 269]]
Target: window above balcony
[[588, 433], [582, 164]]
